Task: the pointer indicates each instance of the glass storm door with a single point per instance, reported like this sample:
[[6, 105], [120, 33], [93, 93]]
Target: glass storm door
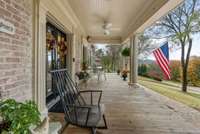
[[56, 56]]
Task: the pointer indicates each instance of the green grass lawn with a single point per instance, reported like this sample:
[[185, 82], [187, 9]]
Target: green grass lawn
[[190, 99]]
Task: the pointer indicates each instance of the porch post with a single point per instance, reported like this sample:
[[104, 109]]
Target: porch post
[[39, 57], [133, 60]]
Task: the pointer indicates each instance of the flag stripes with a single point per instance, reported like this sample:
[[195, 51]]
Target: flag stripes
[[163, 61]]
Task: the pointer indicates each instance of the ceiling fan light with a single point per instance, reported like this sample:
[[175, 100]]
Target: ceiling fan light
[[106, 32], [109, 25]]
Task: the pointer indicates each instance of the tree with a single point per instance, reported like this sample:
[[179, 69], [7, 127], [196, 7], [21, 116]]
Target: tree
[[109, 57], [113, 52], [145, 45], [175, 70], [99, 52], [194, 71], [142, 70], [179, 26], [106, 63]]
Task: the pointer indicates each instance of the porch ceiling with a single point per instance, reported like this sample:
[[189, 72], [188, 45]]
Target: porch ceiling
[[126, 16]]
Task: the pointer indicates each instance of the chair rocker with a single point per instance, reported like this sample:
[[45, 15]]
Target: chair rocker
[[78, 111]]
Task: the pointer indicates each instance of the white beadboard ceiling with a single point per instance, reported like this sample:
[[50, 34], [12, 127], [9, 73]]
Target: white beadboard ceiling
[[123, 14]]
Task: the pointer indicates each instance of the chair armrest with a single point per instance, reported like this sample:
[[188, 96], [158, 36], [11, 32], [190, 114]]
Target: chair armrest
[[91, 95], [86, 91]]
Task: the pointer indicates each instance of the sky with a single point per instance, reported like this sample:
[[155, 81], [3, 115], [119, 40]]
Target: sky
[[176, 54], [101, 46]]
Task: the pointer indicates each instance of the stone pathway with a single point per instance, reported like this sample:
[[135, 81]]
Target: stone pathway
[[141, 111]]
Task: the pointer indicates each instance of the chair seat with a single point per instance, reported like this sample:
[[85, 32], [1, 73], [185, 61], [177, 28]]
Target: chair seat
[[94, 116]]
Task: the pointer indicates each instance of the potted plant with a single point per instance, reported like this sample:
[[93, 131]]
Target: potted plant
[[118, 72], [124, 74], [126, 52], [82, 75], [17, 117], [84, 66]]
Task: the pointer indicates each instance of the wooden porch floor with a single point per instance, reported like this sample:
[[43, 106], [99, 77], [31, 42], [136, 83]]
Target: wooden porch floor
[[140, 111]]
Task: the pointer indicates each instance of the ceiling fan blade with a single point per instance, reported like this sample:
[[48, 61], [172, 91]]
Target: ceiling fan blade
[[108, 25]]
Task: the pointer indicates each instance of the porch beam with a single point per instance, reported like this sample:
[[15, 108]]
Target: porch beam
[[151, 16], [105, 40]]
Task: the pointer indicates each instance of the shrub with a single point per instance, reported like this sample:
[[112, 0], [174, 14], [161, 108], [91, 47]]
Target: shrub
[[154, 75], [154, 71], [19, 117]]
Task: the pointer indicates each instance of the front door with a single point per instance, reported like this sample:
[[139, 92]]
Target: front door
[[56, 58]]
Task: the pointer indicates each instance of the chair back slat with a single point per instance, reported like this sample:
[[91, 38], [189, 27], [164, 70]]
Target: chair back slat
[[74, 87], [67, 89], [68, 93], [70, 86], [61, 94]]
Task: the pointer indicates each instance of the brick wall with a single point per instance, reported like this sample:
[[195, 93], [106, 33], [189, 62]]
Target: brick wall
[[16, 50]]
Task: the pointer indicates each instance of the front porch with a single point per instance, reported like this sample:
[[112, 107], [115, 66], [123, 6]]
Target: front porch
[[140, 111], [24, 74]]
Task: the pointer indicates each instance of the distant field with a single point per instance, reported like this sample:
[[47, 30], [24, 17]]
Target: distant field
[[172, 91]]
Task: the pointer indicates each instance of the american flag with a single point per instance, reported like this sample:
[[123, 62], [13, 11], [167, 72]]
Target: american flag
[[162, 57]]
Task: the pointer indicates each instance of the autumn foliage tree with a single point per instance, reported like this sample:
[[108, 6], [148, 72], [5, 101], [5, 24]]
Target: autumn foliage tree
[[194, 72], [175, 67]]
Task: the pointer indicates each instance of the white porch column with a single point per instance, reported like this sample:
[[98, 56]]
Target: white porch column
[[39, 57], [133, 60]]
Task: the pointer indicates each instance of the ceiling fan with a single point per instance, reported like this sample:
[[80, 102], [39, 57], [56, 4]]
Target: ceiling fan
[[107, 28], [106, 25]]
